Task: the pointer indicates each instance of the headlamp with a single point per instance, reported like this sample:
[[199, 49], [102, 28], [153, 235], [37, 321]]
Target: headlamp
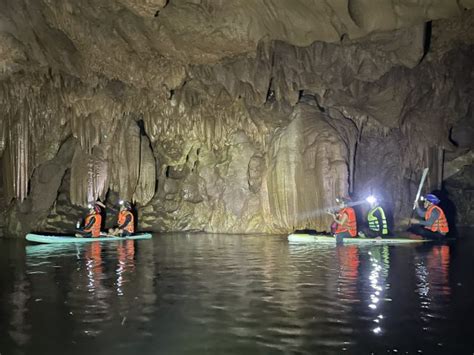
[[371, 199]]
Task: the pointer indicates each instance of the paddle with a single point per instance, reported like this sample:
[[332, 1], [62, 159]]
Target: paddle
[[422, 182]]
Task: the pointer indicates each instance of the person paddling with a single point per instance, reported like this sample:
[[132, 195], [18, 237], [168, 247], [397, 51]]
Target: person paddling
[[345, 220], [434, 224], [92, 222], [125, 221]]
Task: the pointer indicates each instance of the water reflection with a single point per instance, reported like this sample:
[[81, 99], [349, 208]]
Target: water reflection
[[231, 294], [348, 260], [93, 260], [125, 263], [93, 273], [348, 257], [91, 304], [438, 261], [379, 259], [19, 326], [433, 287]]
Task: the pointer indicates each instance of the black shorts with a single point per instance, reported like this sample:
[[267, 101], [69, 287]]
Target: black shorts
[[126, 233], [341, 236], [420, 230]]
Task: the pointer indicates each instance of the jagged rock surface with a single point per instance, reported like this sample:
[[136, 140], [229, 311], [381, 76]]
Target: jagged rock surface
[[237, 117]]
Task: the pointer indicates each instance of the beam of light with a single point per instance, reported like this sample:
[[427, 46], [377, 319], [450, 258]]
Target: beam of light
[[323, 211]]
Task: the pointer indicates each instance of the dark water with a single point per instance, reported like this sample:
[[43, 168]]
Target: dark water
[[213, 294]]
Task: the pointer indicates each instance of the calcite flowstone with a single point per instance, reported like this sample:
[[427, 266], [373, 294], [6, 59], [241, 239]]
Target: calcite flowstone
[[240, 116]]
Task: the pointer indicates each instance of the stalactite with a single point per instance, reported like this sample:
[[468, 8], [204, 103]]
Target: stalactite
[[243, 100], [145, 188]]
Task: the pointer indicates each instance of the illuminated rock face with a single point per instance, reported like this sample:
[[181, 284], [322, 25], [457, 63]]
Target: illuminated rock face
[[235, 117]]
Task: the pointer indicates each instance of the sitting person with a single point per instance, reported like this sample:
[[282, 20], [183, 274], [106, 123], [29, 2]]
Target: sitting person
[[125, 221], [434, 225], [92, 222], [376, 220], [345, 220]]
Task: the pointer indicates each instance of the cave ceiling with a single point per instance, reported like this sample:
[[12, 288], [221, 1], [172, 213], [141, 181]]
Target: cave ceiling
[[150, 43]]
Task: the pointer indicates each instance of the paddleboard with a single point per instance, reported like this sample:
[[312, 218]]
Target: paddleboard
[[40, 238], [319, 238]]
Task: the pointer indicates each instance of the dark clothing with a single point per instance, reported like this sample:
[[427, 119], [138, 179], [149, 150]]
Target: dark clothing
[[369, 233], [85, 234], [420, 230], [126, 233], [341, 236]]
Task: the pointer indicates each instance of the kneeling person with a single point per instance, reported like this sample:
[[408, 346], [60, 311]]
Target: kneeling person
[[435, 225], [376, 220], [345, 223], [125, 221], [92, 223]]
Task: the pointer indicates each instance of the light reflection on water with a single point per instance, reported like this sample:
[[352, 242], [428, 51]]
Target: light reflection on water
[[379, 260], [191, 294]]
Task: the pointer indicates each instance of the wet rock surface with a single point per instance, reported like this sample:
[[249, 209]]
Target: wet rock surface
[[245, 117]]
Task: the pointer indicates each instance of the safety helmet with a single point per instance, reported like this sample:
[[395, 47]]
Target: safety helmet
[[432, 198], [344, 199], [94, 207], [125, 204]]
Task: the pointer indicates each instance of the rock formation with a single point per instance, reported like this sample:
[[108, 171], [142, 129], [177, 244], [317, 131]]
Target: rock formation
[[236, 117]]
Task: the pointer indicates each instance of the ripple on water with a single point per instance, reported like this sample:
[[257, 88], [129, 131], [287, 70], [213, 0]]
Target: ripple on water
[[223, 294]]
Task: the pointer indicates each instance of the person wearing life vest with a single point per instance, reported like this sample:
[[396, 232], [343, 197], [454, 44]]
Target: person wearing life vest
[[376, 220], [125, 220], [345, 220], [434, 224], [92, 222]]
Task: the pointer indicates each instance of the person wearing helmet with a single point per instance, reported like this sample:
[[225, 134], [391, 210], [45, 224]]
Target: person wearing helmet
[[345, 224], [434, 224], [376, 220], [92, 222], [125, 221]]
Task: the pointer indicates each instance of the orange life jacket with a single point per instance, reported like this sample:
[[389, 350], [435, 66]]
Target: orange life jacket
[[122, 216], [95, 228], [441, 224], [350, 225]]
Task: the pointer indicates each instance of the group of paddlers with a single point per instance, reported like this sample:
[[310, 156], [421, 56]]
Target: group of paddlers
[[431, 225], [91, 228]]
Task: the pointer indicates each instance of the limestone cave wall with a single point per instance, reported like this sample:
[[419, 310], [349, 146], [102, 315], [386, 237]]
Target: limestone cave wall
[[248, 117]]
